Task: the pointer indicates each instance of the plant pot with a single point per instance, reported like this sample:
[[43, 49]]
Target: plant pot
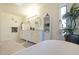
[[75, 38], [72, 38]]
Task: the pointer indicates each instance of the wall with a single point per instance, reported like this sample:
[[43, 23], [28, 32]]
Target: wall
[[8, 20]]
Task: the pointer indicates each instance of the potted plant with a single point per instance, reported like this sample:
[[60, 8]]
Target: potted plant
[[71, 17]]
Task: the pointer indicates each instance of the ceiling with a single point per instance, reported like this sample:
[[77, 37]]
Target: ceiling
[[18, 8]]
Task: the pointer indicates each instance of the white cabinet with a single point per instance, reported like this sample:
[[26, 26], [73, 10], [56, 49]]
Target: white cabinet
[[47, 36], [32, 36], [25, 34]]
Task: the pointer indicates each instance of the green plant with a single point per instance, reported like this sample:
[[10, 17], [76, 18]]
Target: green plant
[[71, 17]]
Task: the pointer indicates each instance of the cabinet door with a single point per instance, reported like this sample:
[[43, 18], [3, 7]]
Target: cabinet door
[[46, 36], [26, 35], [37, 36]]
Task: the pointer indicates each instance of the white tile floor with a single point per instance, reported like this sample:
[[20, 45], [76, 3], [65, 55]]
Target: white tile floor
[[11, 46]]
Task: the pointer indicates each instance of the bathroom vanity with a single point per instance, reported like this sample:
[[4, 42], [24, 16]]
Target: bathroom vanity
[[32, 36]]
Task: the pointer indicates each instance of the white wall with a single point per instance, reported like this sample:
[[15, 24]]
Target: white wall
[[7, 21]]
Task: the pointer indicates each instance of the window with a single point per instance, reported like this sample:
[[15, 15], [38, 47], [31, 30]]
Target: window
[[63, 10]]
